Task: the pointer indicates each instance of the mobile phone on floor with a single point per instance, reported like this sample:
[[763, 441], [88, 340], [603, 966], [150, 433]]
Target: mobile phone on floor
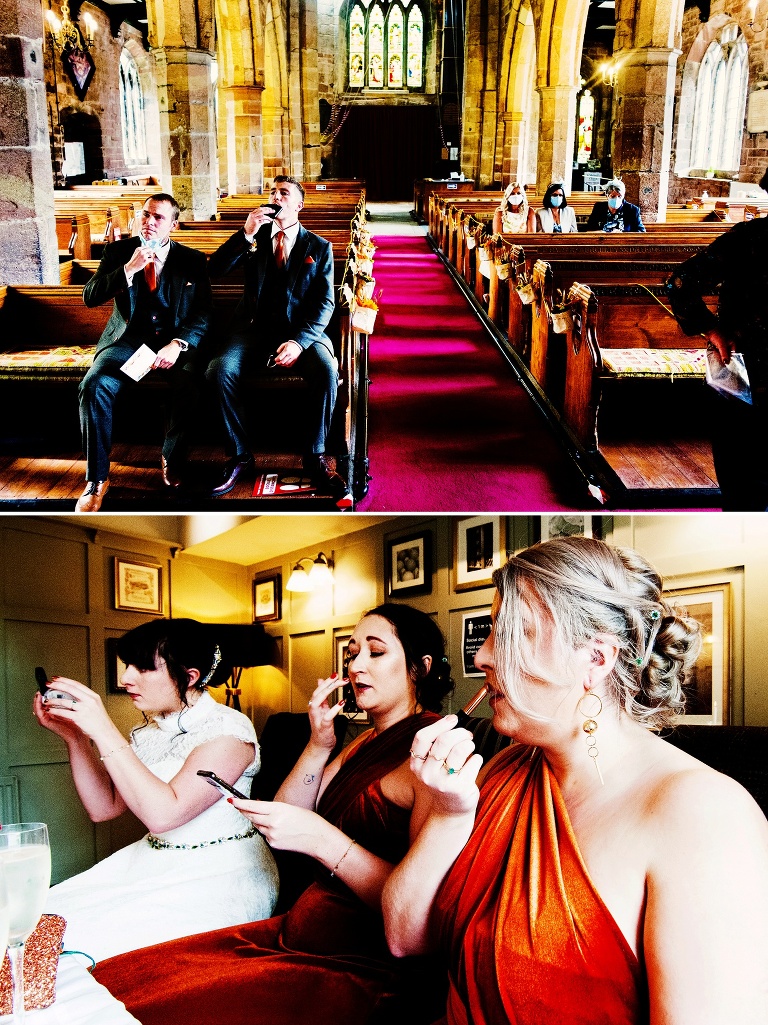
[[52, 697], [225, 789]]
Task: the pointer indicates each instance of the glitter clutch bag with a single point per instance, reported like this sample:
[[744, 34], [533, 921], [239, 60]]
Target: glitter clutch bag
[[41, 959]]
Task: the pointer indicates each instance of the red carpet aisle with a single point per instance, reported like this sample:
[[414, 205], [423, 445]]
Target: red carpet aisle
[[449, 427]]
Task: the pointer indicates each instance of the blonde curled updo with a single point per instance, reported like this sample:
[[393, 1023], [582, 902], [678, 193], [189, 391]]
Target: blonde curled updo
[[587, 588]]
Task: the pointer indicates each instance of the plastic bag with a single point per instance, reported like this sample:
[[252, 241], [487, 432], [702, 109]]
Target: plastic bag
[[730, 379]]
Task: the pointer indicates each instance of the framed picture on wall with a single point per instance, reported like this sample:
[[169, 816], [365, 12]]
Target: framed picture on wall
[[408, 565], [479, 548], [570, 524], [115, 667], [79, 65], [342, 659], [138, 586], [708, 688], [267, 597]]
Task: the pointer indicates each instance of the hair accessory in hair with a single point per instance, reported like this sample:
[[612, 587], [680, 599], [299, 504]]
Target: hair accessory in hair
[[444, 659], [638, 661], [216, 662], [654, 614]]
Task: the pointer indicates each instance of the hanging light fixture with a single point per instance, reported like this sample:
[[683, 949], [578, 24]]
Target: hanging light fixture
[[65, 34], [318, 575]]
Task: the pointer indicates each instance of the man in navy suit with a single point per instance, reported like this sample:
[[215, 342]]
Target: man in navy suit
[[614, 214], [280, 322], [162, 299]]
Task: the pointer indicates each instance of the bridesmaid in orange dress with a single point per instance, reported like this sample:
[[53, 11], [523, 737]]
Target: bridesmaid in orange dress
[[598, 876]]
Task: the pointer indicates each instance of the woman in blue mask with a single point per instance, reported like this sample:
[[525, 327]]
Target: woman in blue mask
[[615, 214], [513, 214], [555, 215]]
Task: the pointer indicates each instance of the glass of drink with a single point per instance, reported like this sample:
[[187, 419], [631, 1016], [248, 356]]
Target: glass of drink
[[25, 861]]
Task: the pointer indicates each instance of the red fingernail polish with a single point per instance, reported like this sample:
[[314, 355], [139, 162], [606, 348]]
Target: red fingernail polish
[[230, 800], [334, 676]]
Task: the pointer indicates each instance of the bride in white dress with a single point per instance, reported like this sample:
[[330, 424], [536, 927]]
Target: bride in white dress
[[198, 868]]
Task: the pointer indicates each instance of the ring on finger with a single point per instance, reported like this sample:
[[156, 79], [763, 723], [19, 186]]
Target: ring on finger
[[448, 769], [420, 758], [436, 757]]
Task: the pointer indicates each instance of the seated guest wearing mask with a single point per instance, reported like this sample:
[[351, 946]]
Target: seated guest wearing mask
[[615, 214], [555, 215], [513, 215]]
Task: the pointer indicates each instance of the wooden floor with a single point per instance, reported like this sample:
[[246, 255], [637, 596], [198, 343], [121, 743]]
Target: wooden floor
[[684, 464], [136, 484]]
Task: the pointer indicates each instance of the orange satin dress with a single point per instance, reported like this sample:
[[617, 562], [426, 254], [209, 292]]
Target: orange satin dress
[[529, 940]]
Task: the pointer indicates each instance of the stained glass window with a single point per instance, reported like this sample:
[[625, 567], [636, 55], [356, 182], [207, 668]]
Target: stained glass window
[[586, 124], [357, 46], [132, 109], [383, 53], [721, 96]]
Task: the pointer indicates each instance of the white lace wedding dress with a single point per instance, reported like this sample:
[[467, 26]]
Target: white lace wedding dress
[[207, 874]]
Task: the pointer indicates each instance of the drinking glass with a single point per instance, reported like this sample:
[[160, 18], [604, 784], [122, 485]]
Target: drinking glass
[[25, 860]]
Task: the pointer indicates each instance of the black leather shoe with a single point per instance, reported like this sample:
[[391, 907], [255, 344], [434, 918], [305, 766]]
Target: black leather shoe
[[171, 478], [321, 468], [233, 469]]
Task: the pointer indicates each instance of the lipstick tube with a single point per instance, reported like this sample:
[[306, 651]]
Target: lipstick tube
[[464, 714]]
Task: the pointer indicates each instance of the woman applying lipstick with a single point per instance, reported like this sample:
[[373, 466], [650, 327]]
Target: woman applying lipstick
[[196, 841], [325, 960], [597, 874]]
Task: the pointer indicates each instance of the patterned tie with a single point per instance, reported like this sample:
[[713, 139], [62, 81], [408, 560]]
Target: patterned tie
[[280, 249], [150, 273]]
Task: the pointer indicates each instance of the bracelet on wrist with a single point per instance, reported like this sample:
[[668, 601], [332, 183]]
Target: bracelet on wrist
[[114, 751], [346, 852]]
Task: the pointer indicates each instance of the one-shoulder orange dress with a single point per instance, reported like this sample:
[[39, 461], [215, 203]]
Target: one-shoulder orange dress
[[529, 940]]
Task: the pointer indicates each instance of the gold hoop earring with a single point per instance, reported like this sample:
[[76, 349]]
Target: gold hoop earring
[[590, 727]]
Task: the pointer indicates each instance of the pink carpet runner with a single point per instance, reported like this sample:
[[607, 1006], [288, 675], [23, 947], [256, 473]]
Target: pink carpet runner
[[449, 427]]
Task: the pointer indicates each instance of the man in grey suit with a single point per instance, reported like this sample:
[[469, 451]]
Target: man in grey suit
[[162, 299], [287, 304]]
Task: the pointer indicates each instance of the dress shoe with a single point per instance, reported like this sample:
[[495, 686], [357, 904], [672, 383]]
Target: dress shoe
[[233, 470], [93, 496], [171, 478], [321, 468]]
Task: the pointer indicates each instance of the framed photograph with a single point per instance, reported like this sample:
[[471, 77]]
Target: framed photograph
[[707, 692], [475, 628], [138, 586], [115, 667], [570, 524], [342, 655], [80, 67], [479, 548], [408, 565], [267, 595]]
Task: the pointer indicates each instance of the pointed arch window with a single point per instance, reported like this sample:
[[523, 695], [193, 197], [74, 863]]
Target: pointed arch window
[[132, 110], [386, 44], [720, 103]]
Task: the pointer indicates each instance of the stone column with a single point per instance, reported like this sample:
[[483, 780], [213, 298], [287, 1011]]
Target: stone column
[[642, 125], [513, 146], [28, 248], [245, 156], [187, 128], [556, 138]]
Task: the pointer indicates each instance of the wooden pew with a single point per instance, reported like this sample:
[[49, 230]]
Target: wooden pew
[[74, 236], [647, 422]]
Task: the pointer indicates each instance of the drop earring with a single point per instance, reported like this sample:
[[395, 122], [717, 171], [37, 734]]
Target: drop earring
[[590, 727]]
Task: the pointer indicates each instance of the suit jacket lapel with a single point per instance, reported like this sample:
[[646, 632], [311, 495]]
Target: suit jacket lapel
[[298, 255], [263, 254], [175, 280]]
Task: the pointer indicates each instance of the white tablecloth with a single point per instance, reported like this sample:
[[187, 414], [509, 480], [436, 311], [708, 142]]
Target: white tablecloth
[[80, 1000]]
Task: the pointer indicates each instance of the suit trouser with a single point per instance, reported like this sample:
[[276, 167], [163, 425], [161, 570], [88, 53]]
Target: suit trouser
[[739, 455], [241, 350], [99, 390]]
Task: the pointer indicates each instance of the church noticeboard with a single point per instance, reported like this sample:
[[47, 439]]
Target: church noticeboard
[[757, 111]]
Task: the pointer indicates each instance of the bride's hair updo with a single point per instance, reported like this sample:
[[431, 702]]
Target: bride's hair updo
[[586, 588], [182, 644]]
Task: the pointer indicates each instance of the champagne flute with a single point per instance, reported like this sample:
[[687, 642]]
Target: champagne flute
[[25, 859]]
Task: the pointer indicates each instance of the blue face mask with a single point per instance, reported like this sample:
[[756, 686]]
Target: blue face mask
[[614, 202], [556, 200]]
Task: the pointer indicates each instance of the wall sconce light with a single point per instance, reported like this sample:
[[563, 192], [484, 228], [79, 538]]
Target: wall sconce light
[[65, 35], [318, 575], [752, 11], [609, 72]]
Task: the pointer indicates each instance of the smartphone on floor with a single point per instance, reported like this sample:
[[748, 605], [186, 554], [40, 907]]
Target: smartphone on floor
[[226, 789]]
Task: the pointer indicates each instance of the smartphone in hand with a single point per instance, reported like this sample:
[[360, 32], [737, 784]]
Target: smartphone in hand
[[225, 789], [51, 697]]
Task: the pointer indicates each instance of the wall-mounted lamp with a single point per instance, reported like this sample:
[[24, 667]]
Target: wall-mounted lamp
[[65, 35], [318, 575], [609, 72], [752, 11]]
